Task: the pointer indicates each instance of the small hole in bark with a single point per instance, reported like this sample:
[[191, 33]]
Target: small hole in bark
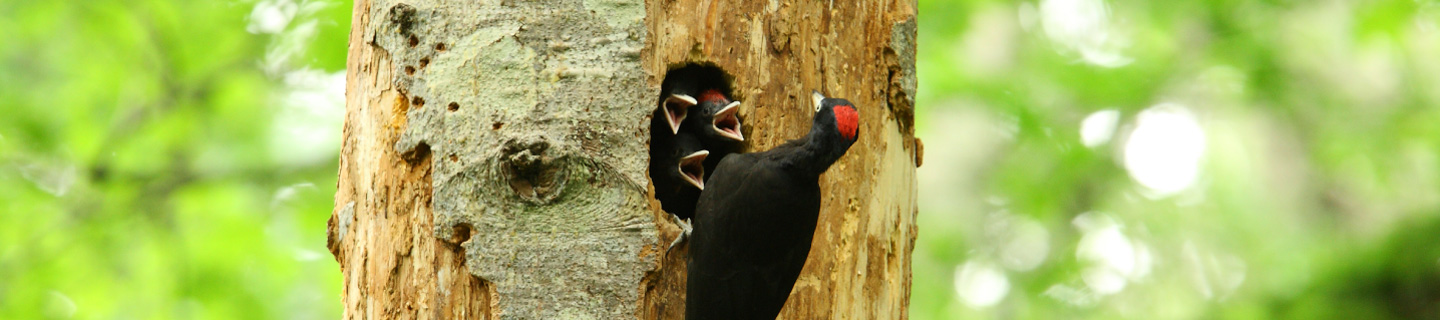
[[695, 78], [497, 126], [414, 155], [440, 46], [414, 41], [409, 71], [454, 158], [403, 15], [417, 102], [461, 233], [424, 62], [453, 107]]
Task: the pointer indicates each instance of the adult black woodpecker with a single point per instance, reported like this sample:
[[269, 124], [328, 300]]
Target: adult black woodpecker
[[756, 217]]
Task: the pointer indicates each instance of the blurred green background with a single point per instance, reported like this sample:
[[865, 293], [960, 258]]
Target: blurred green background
[[1231, 159], [169, 159]]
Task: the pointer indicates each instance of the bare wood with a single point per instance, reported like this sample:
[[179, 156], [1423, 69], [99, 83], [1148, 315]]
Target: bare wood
[[859, 263], [403, 258], [380, 232]]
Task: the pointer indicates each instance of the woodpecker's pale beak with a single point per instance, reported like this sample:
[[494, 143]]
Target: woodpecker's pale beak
[[692, 167], [816, 98], [727, 124], [677, 106]]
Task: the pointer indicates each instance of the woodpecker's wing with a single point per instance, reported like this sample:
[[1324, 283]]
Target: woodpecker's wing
[[752, 230]]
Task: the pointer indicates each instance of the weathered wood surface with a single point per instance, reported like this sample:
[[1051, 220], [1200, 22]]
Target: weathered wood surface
[[493, 161], [859, 264]]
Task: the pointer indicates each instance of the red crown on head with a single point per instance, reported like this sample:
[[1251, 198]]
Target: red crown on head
[[713, 95], [847, 120]]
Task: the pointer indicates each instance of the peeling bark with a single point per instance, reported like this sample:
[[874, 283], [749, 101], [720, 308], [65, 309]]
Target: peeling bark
[[493, 163]]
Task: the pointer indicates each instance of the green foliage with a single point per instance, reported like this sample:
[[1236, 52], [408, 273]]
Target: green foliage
[[1317, 194], [139, 176]]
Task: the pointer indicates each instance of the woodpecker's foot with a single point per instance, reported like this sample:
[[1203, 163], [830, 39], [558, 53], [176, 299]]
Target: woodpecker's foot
[[685, 230]]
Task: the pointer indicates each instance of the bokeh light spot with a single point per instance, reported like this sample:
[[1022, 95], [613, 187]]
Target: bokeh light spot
[[1083, 26], [1098, 127], [1163, 152], [980, 284]]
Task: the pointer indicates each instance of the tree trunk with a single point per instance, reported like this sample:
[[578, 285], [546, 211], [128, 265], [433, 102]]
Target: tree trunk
[[495, 152]]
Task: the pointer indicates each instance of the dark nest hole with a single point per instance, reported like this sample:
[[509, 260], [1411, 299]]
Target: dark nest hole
[[691, 79]]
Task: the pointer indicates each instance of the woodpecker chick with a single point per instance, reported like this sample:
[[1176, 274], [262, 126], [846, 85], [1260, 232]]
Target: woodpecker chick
[[678, 172], [716, 122]]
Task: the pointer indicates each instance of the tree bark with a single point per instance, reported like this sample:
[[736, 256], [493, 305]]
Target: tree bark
[[494, 152]]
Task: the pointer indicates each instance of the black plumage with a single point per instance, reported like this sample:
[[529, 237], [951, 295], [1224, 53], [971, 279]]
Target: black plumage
[[682, 86], [715, 121], [665, 122], [710, 125], [756, 217], [678, 174]]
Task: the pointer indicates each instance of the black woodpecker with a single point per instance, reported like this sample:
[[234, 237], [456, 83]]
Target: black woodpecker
[[756, 217]]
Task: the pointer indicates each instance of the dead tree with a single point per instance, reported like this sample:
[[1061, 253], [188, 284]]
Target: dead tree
[[494, 152]]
